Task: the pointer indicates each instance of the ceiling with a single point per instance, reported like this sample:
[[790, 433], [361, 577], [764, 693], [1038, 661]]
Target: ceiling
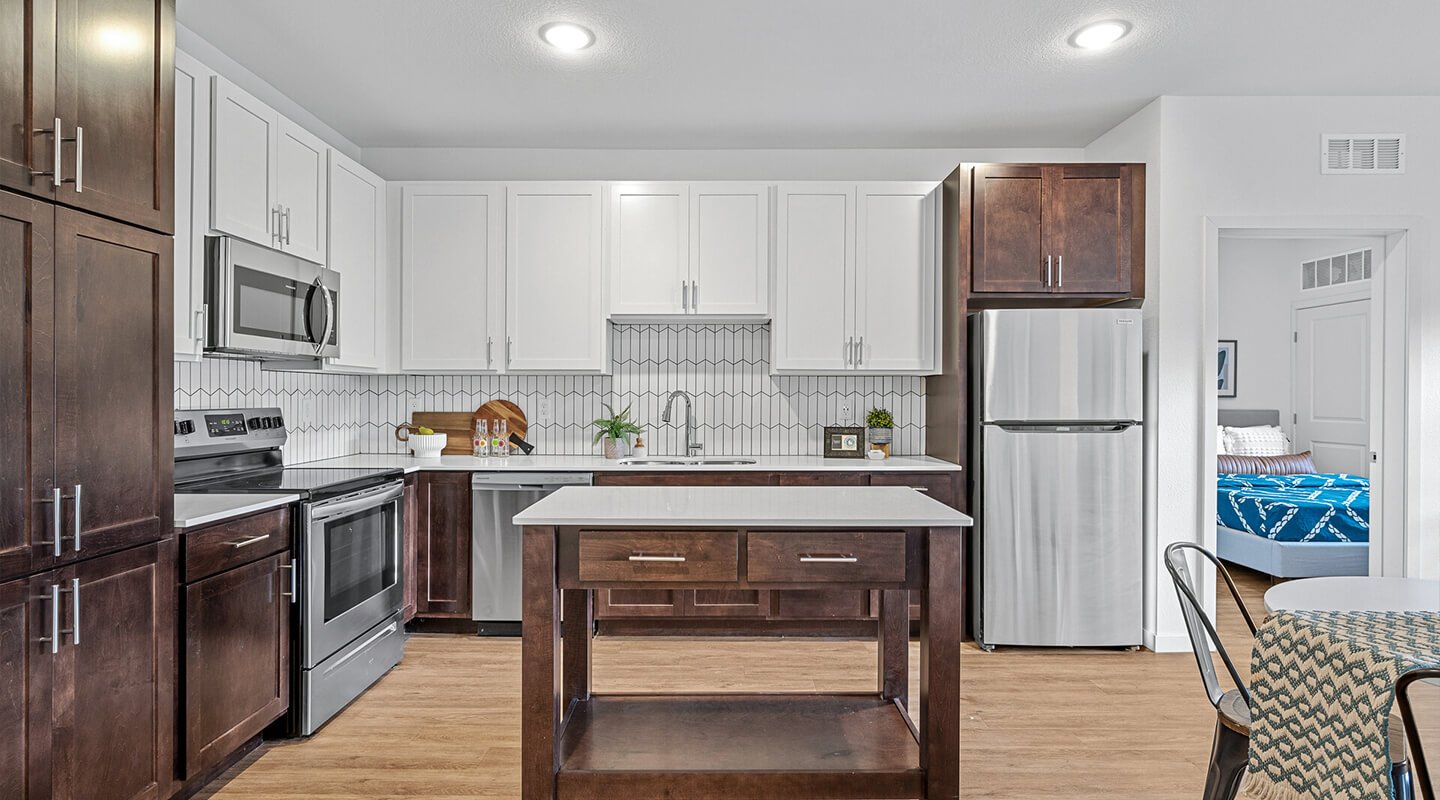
[[799, 73]]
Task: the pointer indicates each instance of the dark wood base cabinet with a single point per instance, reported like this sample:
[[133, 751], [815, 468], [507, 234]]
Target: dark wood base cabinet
[[442, 545], [88, 705]]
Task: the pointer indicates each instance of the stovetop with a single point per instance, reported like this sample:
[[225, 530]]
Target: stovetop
[[308, 482]]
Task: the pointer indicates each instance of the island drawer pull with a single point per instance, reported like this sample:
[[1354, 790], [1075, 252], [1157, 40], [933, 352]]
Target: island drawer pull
[[671, 559], [247, 542], [921, 488], [836, 559]]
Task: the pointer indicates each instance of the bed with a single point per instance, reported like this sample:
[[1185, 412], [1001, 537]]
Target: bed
[[1291, 526]]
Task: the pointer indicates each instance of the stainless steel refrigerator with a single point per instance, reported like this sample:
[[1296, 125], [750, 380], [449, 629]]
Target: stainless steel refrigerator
[[1059, 454]]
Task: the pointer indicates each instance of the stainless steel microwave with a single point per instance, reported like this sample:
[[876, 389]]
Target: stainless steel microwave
[[266, 303]]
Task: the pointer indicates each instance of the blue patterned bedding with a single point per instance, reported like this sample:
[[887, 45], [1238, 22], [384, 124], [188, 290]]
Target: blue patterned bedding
[[1296, 508]]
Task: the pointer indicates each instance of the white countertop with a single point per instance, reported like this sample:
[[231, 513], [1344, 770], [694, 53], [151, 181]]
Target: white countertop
[[742, 506], [202, 509], [602, 464]]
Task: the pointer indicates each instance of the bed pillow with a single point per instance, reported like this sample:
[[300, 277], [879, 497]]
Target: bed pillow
[[1297, 464], [1222, 441], [1259, 440]]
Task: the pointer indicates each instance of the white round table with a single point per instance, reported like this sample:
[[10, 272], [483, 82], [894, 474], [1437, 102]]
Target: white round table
[[1354, 593]]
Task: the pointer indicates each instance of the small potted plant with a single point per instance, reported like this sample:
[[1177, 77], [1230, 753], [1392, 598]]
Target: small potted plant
[[879, 430], [614, 430]]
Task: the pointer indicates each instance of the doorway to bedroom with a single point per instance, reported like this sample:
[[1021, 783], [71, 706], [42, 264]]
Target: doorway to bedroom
[[1296, 398]]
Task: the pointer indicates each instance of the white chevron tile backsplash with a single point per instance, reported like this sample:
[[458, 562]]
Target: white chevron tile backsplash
[[740, 408]]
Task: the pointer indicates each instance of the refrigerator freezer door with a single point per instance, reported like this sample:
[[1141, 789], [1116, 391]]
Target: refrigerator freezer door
[[1059, 365], [1062, 537]]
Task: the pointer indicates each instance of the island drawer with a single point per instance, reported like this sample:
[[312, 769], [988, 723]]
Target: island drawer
[[664, 556], [824, 557], [235, 542]]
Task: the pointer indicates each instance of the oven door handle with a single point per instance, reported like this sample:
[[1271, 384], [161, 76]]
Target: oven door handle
[[321, 512]]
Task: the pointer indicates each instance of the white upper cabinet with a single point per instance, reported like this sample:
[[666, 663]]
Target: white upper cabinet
[[895, 269], [649, 248], [192, 202], [453, 277], [267, 175], [814, 278], [300, 192], [730, 249], [555, 278], [855, 285], [697, 248], [356, 248]]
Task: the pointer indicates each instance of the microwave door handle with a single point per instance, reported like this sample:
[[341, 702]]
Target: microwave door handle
[[329, 316]]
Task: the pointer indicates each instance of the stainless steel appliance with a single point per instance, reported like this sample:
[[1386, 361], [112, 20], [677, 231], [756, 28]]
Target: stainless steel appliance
[[347, 573], [1059, 454], [496, 497], [265, 303]]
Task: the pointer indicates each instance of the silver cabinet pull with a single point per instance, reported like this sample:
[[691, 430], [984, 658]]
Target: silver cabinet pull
[[684, 296], [290, 594], [1059, 272], [489, 347], [849, 350], [54, 500], [287, 224], [921, 488], [841, 559], [78, 487], [275, 219], [509, 345], [670, 559], [54, 171], [1048, 260], [75, 608], [79, 159], [54, 637], [695, 297], [198, 332], [247, 542], [860, 351]]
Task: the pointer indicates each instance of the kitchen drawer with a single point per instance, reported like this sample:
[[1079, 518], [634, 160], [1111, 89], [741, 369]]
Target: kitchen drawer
[[820, 557], [235, 542], [662, 556], [937, 485]]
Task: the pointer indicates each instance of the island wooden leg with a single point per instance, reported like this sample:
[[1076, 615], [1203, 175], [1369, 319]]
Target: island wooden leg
[[540, 707], [893, 638], [941, 617], [578, 624]]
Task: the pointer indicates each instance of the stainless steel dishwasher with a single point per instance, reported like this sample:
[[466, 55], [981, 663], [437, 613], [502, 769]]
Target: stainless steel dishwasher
[[496, 497]]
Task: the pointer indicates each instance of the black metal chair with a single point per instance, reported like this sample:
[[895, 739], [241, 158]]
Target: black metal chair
[[1231, 749], [1420, 771]]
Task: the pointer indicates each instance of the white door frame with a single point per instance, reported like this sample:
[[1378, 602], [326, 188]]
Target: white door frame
[[1397, 420]]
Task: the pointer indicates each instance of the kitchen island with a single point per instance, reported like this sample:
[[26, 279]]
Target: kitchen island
[[576, 744]]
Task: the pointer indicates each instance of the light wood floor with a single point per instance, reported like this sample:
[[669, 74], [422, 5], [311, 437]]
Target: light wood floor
[[1037, 724]]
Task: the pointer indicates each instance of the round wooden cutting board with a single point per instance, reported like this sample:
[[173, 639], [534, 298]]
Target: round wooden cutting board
[[494, 410]]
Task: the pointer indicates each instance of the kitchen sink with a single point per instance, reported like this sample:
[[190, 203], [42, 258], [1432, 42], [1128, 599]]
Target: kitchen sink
[[684, 462], [726, 461]]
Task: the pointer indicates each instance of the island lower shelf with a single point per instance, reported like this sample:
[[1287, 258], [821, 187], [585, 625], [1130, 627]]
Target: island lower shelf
[[723, 746]]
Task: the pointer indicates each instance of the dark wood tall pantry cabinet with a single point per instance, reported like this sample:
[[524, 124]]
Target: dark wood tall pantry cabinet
[[87, 568]]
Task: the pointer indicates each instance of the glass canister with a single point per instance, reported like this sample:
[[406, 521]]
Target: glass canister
[[500, 439], [480, 439]]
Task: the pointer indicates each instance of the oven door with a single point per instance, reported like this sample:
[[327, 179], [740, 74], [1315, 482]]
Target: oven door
[[264, 302], [352, 566]]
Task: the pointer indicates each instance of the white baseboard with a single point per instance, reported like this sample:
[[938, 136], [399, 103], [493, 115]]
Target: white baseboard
[[1167, 642]]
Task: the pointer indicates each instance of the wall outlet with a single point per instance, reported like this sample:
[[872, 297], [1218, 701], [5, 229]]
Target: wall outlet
[[307, 412], [544, 410], [847, 411], [411, 406]]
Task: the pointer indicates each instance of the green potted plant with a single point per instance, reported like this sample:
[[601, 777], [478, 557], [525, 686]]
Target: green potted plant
[[614, 429], [879, 430]]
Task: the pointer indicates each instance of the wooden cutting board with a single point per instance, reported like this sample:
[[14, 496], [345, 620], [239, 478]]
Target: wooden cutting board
[[495, 410], [454, 423]]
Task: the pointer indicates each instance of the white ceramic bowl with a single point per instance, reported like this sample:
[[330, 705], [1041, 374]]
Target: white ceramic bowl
[[428, 445]]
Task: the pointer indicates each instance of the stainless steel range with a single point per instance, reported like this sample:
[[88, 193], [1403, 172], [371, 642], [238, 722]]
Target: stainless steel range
[[346, 575]]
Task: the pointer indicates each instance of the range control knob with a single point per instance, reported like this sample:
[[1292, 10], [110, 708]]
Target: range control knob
[[177, 427], [277, 422], [185, 427]]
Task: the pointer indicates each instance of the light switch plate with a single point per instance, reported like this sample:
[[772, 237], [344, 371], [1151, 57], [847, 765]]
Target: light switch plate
[[544, 410]]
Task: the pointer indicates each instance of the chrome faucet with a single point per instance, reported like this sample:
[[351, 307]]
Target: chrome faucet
[[692, 447]]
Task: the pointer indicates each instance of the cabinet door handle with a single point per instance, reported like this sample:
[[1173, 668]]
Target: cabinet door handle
[[670, 559], [684, 296], [1048, 261], [290, 594], [695, 297], [54, 637], [77, 499], [79, 159], [860, 351], [250, 541], [921, 488], [1059, 272], [489, 347], [287, 224], [836, 559], [849, 350], [54, 171], [75, 609], [509, 345], [55, 499], [275, 221]]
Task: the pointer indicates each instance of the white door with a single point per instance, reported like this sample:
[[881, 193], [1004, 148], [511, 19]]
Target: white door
[[555, 278], [355, 249], [1332, 385], [244, 133], [192, 202], [452, 278], [300, 183], [649, 229], [895, 289], [814, 278], [730, 248]]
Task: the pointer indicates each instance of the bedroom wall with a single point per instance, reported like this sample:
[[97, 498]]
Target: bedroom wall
[[1259, 285]]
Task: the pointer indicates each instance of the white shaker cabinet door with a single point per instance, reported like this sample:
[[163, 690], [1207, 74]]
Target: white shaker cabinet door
[[452, 278], [300, 186], [730, 249], [356, 249], [192, 203], [649, 247], [244, 136], [815, 265], [555, 278], [895, 296]]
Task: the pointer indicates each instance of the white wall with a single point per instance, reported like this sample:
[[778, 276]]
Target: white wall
[[1259, 284], [1259, 157]]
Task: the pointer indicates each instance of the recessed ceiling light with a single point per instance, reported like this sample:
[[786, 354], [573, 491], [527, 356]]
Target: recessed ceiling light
[[567, 36], [1098, 35]]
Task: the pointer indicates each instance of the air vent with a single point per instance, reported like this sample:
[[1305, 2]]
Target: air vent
[[1362, 153], [1335, 270]]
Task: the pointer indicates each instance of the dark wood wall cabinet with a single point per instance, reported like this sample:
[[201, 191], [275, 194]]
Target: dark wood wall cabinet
[[237, 605], [1064, 232], [87, 92]]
